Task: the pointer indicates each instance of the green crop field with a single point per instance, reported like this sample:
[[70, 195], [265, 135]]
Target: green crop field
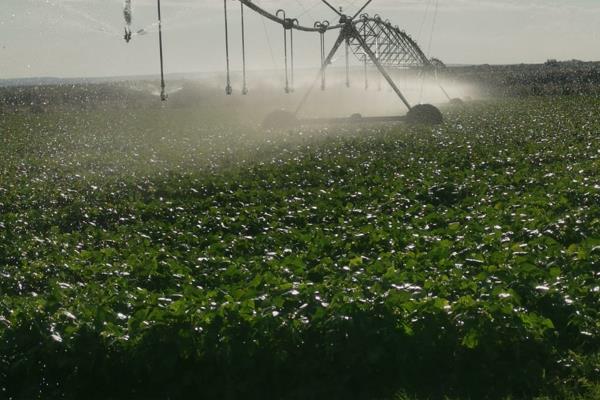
[[162, 253]]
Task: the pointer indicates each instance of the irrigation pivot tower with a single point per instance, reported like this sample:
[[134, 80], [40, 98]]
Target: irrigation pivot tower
[[372, 40]]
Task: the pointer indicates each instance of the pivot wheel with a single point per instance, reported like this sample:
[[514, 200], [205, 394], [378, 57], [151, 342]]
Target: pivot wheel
[[424, 114]]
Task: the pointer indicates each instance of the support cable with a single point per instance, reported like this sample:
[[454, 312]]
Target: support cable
[[271, 52], [285, 58], [276, 18], [377, 57], [365, 57], [322, 28], [163, 94], [424, 20], [366, 73], [294, 21], [323, 82], [285, 49], [244, 86], [349, 31], [228, 89], [347, 62], [352, 31], [435, 14], [326, 62], [309, 9]]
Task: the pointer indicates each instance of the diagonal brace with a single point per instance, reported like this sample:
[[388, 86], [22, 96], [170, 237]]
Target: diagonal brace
[[352, 31]]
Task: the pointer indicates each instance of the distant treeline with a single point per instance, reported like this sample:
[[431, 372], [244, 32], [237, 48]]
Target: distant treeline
[[42, 98], [98, 96], [552, 78]]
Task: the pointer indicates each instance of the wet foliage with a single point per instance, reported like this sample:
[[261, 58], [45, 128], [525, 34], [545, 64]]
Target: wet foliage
[[161, 254]]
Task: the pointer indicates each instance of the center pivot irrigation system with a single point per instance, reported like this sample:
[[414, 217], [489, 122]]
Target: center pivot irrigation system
[[374, 41]]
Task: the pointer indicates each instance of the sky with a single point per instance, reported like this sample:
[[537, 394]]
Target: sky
[[83, 38]]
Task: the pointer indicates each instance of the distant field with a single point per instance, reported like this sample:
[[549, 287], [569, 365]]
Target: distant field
[[175, 253]]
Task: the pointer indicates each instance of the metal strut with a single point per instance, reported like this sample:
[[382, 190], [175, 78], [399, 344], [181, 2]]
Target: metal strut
[[228, 89], [347, 33], [285, 49], [163, 93], [362, 9], [399, 49], [352, 31], [332, 7], [244, 86], [279, 20], [291, 60], [381, 44], [322, 28], [293, 22]]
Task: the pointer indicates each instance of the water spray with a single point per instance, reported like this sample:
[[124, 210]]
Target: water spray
[[374, 41]]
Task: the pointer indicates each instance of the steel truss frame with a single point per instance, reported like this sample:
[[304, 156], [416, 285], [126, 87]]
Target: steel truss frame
[[373, 41]]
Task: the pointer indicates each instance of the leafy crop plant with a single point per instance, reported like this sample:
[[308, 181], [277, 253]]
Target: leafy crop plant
[[151, 253]]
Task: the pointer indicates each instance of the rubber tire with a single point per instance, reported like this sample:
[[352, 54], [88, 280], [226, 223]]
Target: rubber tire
[[424, 114], [280, 119]]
